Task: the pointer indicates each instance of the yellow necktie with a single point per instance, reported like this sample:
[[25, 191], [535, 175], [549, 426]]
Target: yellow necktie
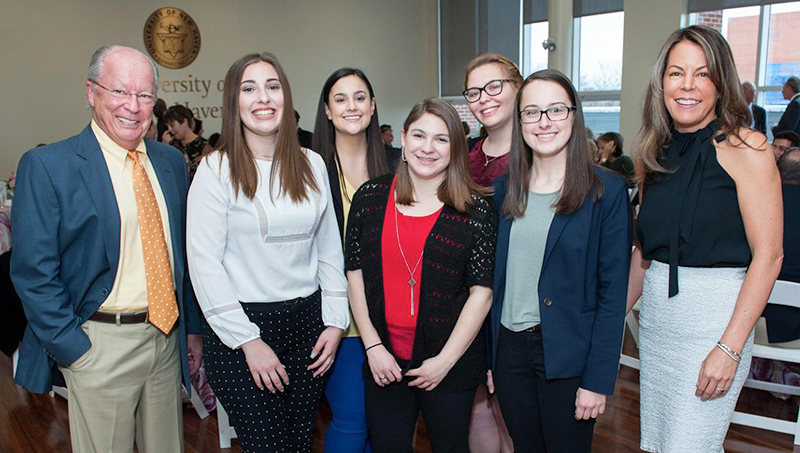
[[162, 307]]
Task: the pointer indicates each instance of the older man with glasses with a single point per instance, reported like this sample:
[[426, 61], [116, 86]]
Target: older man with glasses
[[99, 264]]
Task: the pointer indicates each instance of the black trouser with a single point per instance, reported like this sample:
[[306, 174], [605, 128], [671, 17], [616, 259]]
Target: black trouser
[[392, 416], [539, 412], [266, 422]]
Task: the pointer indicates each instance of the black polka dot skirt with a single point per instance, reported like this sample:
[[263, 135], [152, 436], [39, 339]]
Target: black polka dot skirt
[[264, 421]]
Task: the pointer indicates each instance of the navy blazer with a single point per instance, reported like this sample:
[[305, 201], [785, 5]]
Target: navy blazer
[[583, 285], [65, 233]]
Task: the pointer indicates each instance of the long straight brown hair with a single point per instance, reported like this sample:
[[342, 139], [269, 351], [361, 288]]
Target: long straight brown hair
[[731, 108], [579, 180], [458, 187], [290, 163]]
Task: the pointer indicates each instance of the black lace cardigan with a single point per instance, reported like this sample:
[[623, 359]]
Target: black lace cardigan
[[459, 253]]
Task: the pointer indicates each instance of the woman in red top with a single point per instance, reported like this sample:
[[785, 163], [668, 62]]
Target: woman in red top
[[420, 257], [491, 84]]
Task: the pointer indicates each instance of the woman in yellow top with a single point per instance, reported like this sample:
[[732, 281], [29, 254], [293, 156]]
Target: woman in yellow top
[[347, 135]]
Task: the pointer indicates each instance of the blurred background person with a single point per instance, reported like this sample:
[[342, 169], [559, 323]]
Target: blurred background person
[[759, 115], [612, 157]]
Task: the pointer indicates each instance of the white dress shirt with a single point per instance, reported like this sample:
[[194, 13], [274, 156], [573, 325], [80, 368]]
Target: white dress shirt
[[261, 250]]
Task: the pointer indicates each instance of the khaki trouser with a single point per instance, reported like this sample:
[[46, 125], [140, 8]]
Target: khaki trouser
[[126, 386]]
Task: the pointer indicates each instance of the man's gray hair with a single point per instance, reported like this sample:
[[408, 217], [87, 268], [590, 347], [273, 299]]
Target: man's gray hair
[[97, 64], [793, 83]]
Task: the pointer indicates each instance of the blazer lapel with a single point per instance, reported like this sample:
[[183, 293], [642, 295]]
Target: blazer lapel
[[98, 182], [556, 228], [166, 179]]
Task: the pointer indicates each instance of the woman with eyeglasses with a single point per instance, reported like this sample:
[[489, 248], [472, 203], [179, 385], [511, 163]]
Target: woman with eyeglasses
[[419, 256], [348, 137], [490, 87], [491, 83], [563, 250]]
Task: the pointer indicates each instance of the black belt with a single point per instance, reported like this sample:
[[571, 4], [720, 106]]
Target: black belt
[[119, 318], [536, 328]]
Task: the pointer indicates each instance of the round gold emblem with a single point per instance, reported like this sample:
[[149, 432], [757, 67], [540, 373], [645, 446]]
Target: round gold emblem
[[172, 38]]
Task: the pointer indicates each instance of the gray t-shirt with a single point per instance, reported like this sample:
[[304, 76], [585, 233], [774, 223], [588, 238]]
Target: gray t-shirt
[[524, 265]]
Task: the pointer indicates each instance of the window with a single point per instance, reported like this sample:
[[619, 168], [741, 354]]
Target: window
[[534, 55], [597, 72], [764, 40]]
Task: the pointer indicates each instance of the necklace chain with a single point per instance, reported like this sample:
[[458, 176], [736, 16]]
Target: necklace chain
[[411, 281], [488, 161]]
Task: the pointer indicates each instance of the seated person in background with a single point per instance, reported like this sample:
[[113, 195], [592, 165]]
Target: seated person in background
[[180, 128], [213, 140], [610, 149], [782, 325], [783, 141]]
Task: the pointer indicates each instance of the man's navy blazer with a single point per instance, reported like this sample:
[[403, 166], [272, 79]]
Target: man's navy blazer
[[66, 234], [584, 279], [790, 120]]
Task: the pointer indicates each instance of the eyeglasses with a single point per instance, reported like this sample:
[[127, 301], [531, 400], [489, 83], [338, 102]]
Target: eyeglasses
[[557, 113], [782, 149], [493, 88], [122, 95]]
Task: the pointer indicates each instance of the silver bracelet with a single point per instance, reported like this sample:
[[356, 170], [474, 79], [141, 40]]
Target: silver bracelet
[[735, 356]]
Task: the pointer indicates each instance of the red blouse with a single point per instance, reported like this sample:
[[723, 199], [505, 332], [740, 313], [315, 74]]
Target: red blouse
[[401, 320], [484, 168]]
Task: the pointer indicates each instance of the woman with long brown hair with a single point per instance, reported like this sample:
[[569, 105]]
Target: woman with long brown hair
[[348, 137], [563, 249], [420, 256], [709, 230], [266, 263]]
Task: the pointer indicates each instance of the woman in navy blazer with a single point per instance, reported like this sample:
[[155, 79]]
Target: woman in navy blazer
[[561, 274]]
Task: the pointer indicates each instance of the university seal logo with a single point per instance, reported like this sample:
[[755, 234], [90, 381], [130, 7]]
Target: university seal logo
[[172, 38]]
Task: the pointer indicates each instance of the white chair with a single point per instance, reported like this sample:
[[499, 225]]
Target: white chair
[[788, 294], [14, 360], [226, 431], [632, 323]]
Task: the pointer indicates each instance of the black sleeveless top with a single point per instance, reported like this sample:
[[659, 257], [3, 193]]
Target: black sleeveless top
[[691, 217]]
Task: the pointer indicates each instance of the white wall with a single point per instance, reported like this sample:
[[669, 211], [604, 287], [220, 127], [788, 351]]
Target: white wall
[[46, 46], [647, 26]]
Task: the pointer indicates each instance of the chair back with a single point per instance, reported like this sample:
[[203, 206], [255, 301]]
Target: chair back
[[785, 293]]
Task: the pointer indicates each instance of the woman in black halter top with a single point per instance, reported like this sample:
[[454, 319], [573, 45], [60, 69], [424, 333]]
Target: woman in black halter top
[[709, 251]]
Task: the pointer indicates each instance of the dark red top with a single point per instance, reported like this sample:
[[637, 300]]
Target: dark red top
[[401, 321], [485, 168]]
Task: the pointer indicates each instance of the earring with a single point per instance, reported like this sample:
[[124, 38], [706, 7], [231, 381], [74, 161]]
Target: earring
[[403, 154]]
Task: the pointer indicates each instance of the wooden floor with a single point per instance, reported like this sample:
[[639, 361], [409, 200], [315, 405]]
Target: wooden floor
[[32, 423]]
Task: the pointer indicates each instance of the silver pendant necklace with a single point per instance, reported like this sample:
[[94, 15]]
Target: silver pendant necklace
[[411, 281], [487, 160]]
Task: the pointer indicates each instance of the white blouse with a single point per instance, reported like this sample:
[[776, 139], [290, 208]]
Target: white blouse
[[261, 250]]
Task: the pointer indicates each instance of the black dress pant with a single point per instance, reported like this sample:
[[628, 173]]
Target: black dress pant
[[539, 412], [264, 421], [392, 413]]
